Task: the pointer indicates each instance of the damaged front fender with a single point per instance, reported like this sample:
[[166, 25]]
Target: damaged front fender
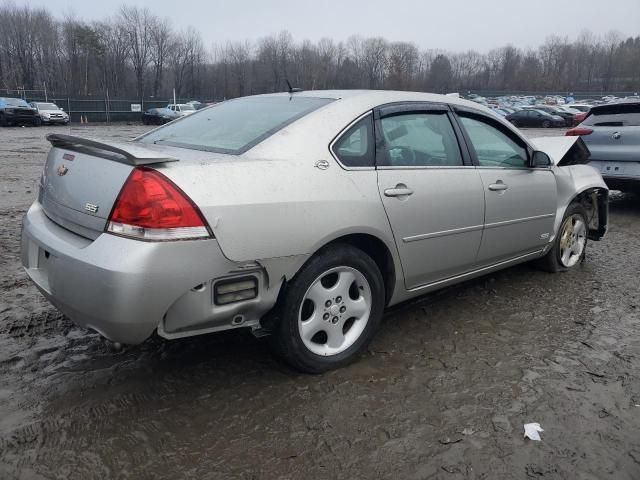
[[577, 182]]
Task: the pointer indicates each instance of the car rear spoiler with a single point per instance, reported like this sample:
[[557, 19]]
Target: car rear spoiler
[[127, 152], [563, 151]]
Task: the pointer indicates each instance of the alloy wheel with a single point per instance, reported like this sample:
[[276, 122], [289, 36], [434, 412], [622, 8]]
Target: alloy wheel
[[573, 238], [334, 311]]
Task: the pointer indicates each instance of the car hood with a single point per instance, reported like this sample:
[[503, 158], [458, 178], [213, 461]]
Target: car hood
[[563, 150], [51, 111]]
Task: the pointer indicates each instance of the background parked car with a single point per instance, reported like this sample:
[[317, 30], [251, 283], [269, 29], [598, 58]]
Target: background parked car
[[15, 111], [50, 113], [159, 116], [530, 117], [569, 118], [583, 107], [182, 109], [612, 133]]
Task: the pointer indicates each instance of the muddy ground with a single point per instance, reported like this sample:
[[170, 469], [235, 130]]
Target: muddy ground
[[443, 391]]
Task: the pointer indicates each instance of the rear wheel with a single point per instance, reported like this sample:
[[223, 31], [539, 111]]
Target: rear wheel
[[330, 311], [570, 244]]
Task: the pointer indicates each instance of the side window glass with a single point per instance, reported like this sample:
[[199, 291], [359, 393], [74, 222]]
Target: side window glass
[[355, 148], [419, 140], [493, 147]]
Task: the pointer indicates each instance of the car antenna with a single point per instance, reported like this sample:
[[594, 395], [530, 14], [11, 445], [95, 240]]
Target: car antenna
[[292, 90]]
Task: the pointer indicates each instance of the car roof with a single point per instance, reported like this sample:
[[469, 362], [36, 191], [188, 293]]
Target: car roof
[[380, 97], [622, 106], [347, 106]]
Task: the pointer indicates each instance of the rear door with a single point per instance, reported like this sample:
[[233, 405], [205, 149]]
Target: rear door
[[520, 201], [432, 194]]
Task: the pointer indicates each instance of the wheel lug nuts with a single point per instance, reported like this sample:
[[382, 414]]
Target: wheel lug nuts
[[334, 320], [327, 303], [343, 309], [326, 316], [338, 299]]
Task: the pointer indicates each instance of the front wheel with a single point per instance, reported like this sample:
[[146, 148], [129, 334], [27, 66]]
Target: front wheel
[[330, 311], [570, 244], [546, 124]]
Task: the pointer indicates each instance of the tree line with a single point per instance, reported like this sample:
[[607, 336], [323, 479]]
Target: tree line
[[136, 53]]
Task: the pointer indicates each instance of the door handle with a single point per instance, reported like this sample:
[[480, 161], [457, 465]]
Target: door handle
[[498, 186], [400, 190]]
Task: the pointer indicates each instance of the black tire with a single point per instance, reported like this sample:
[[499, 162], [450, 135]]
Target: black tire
[[37, 122], [286, 340], [546, 124], [551, 262], [3, 121], [514, 123]]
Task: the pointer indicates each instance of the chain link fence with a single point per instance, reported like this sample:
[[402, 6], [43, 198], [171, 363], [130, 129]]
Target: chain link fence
[[99, 110]]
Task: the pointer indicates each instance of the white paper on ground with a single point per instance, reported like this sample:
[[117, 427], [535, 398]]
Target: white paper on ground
[[531, 431]]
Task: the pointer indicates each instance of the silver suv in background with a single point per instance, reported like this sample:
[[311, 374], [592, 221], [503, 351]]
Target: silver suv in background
[[50, 113], [612, 133]]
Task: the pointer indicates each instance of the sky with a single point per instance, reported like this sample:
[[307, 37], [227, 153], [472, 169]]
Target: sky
[[451, 25]]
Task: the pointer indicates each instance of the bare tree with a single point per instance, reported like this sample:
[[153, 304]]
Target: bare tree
[[162, 42], [137, 26], [138, 53]]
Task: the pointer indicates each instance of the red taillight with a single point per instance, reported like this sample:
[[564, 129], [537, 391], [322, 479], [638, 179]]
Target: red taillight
[[578, 131], [152, 207]]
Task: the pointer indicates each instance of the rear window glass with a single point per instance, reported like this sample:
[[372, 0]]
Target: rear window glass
[[237, 125], [614, 116]]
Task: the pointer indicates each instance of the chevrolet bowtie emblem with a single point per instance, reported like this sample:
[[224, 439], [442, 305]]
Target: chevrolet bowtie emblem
[[62, 170]]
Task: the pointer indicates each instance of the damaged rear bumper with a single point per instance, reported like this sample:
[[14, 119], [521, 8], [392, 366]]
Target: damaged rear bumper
[[125, 289]]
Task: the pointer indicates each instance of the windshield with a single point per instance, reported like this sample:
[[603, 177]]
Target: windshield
[[15, 102], [47, 106], [235, 126]]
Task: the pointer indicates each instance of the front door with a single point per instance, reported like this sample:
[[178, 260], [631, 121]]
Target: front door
[[432, 195], [521, 201]]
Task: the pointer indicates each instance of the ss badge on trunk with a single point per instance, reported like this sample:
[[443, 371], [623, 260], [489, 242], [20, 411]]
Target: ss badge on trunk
[[90, 207]]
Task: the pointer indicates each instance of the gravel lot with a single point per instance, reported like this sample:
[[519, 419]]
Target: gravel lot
[[443, 391]]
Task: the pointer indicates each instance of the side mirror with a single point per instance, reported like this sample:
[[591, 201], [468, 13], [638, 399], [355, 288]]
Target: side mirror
[[540, 159]]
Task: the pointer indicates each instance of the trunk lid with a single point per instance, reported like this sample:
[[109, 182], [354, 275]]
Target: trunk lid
[[614, 143], [83, 177]]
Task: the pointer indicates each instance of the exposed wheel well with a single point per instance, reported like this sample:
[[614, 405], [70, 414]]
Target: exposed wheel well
[[378, 251], [594, 201]]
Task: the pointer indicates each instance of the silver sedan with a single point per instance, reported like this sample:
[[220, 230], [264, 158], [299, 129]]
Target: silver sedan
[[301, 216]]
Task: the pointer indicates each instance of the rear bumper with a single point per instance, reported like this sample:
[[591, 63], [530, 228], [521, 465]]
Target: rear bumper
[[125, 289], [619, 175]]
